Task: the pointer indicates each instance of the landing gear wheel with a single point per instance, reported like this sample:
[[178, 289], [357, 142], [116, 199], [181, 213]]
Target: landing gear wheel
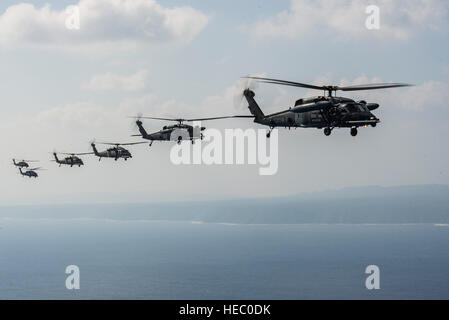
[[269, 133], [179, 140], [327, 131], [373, 125], [354, 132], [193, 141]]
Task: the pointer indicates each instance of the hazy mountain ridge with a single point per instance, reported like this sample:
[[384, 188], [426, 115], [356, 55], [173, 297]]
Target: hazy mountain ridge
[[408, 204]]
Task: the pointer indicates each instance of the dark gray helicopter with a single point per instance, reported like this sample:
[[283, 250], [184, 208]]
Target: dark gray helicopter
[[71, 160], [320, 112], [174, 132], [115, 152], [23, 163], [30, 173]]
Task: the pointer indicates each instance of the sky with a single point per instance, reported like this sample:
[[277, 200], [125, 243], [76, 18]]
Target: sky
[[63, 88]]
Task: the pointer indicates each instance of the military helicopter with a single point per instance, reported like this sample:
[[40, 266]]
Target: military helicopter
[[71, 160], [320, 112], [23, 163], [30, 173], [174, 132], [116, 152]]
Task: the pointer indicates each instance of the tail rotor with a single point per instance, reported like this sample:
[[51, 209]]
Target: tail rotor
[[243, 85], [133, 125]]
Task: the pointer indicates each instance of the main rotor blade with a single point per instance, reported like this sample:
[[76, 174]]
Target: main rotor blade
[[120, 144], [217, 118], [131, 144], [195, 119], [288, 83], [374, 86], [76, 154], [109, 143], [156, 118]]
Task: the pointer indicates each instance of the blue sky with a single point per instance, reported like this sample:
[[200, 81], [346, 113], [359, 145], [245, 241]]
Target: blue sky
[[51, 99]]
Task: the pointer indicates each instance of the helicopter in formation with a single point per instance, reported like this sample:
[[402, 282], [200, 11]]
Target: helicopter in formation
[[30, 173], [175, 132], [116, 152], [323, 112], [71, 160], [23, 163]]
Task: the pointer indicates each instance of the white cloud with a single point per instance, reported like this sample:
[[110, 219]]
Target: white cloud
[[90, 119], [110, 81], [431, 95], [101, 22], [399, 19]]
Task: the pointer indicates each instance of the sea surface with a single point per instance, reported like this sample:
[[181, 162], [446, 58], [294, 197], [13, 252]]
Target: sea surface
[[195, 260]]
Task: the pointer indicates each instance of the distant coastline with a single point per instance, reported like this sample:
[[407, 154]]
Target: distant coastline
[[364, 205]]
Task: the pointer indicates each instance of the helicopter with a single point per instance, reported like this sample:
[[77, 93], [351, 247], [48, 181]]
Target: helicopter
[[30, 173], [23, 163], [322, 112], [115, 152], [71, 160], [173, 132]]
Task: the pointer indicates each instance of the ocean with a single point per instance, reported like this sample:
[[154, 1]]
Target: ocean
[[145, 259]]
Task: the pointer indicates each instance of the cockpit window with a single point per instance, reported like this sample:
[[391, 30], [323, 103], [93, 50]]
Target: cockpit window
[[352, 108]]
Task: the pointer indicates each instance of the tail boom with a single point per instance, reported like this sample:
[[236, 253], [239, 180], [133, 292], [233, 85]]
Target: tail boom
[[253, 106]]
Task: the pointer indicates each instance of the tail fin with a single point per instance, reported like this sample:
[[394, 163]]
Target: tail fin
[[94, 148], [252, 105], [142, 130], [56, 156]]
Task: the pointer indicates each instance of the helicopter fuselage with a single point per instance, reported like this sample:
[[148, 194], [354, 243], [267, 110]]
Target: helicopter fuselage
[[70, 161], [21, 164], [175, 132], [29, 173], [339, 113], [114, 152], [317, 112]]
